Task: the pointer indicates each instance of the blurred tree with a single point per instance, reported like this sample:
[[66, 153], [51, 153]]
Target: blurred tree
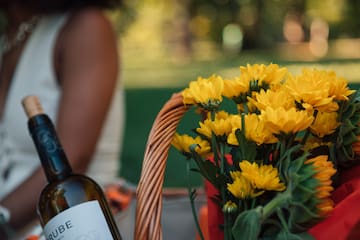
[[218, 12], [351, 23], [181, 24], [123, 17], [180, 37], [260, 21]]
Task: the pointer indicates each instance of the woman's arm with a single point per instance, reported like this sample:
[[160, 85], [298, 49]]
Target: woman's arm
[[88, 69]]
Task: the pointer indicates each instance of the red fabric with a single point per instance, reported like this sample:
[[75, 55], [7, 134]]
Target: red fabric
[[216, 217], [342, 224]]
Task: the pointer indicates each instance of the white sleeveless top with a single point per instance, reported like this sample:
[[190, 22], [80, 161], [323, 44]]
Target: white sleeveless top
[[35, 75]]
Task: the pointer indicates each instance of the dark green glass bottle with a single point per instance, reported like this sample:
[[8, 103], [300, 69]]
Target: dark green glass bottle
[[71, 206]]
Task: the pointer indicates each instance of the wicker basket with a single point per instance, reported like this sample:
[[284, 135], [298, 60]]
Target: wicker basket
[[150, 187]]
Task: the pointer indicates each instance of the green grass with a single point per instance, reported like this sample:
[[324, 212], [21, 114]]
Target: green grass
[[164, 73]]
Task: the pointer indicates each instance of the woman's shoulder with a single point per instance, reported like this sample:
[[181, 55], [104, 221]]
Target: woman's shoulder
[[87, 33], [87, 22]]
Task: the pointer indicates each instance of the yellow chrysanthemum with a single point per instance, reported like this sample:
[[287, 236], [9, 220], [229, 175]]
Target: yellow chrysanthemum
[[205, 91], [324, 124], [234, 88], [221, 126], [338, 87], [324, 171], [280, 120], [325, 206], [183, 142], [263, 177], [254, 131], [235, 174], [273, 99], [312, 89], [271, 74], [220, 115], [241, 188]]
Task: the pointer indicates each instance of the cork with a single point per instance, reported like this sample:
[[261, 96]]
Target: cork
[[32, 106]]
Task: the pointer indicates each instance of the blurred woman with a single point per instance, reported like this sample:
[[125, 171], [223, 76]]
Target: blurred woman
[[64, 51]]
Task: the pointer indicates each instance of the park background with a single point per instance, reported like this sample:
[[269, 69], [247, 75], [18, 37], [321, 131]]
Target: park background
[[165, 44]]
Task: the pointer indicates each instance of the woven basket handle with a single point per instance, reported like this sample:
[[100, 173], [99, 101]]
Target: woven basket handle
[[149, 190]]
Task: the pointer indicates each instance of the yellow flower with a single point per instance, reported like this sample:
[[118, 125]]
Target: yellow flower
[[338, 87], [324, 124], [235, 87], [264, 177], [241, 188], [254, 131], [221, 126], [220, 115], [205, 91], [183, 142], [235, 174], [271, 74], [280, 120], [273, 98], [324, 171], [312, 90], [325, 206]]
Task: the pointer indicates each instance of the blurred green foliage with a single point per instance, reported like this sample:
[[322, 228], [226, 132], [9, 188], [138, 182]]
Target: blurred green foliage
[[124, 16], [263, 21], [181, 30]]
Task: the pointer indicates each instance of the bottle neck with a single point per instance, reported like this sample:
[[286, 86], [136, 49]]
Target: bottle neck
[[50, 151]]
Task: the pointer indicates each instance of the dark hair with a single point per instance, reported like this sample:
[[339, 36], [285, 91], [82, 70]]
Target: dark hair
[[53, 6]]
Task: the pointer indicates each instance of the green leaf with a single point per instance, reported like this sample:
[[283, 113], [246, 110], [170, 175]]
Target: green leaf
[[305, 209], [303, 193], [287, 166], [347, 126], [248, 225], [247, 148], [299, 214], [350, 138], [345, 155], [283, 235], [207, 169]]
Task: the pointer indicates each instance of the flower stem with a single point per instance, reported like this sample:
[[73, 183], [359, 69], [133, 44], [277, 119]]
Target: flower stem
[[227, 225], [192, 199], [227, 230], [275, 203], [280, 214]]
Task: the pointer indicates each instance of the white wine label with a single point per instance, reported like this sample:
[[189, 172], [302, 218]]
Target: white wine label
[[85, 221]]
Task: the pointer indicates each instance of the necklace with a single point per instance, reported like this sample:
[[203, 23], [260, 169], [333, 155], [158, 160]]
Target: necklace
[[23, 29]]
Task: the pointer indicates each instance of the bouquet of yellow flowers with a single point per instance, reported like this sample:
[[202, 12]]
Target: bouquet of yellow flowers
[[272, 144]]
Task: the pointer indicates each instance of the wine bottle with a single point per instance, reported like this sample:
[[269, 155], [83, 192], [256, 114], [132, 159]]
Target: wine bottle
[[71, 206]]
